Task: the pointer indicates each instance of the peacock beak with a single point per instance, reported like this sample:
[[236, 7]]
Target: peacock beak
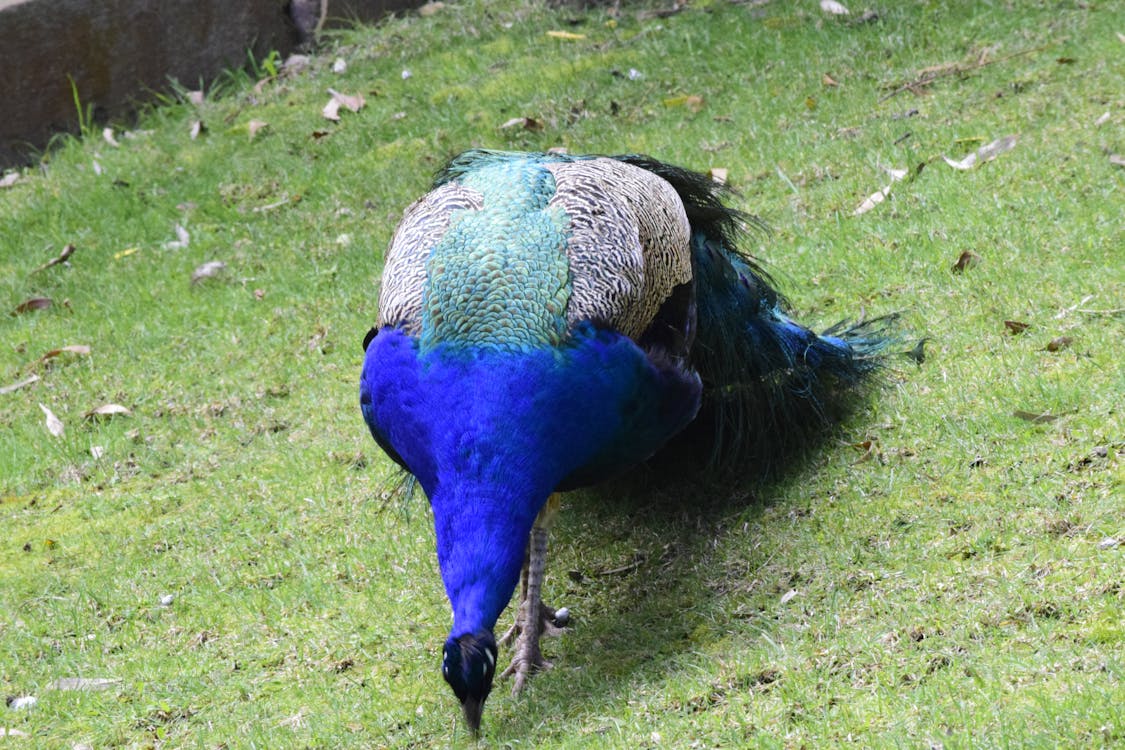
[[473, 708]]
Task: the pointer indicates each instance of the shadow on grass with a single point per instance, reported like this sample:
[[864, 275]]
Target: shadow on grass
[[650, 589]]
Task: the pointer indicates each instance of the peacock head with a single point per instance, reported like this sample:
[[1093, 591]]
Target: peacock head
[[468, 664]]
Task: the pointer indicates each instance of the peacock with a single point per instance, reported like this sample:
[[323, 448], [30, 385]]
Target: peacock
[[547, 322]]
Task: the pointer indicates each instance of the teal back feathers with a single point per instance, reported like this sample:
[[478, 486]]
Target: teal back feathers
[[500, 277]]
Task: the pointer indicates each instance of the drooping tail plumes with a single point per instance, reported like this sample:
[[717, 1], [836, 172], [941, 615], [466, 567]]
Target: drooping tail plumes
[[771, 385]]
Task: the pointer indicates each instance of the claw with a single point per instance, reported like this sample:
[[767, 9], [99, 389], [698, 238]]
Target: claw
[[535, 619]]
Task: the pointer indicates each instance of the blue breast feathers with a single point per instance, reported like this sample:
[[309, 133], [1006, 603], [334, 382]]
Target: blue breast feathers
[[490, 433]]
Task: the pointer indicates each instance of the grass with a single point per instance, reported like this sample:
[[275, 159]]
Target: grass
[[234, 555]]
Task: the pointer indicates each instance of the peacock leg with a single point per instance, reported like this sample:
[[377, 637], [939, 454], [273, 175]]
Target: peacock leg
[[535, 619]]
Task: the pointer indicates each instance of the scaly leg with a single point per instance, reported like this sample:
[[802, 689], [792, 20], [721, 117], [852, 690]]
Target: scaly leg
[[535, 618]]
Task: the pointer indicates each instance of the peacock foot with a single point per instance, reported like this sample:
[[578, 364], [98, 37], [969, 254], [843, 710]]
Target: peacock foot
[[527, 658], [552, 623]]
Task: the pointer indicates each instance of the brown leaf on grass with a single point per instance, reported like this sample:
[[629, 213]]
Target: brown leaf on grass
[[430, 8], [965, 261], [987, 152], [9, 179], [80, 349], [1016, 327], [54, 424], [1058, 344], [21, 384], [828, 81], [84, 683], [331, 111], [60, 258], [28, 305], [880, 195], [1117, 160], [1035, 417], [718, 174], [105, 411], [568, 35], [690, 101], [208, 270], [183, 239], [527, 123], [294, 65], [354, 103], [256, 126]]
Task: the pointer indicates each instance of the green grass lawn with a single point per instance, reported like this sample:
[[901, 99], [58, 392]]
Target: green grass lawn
[[233, 555]]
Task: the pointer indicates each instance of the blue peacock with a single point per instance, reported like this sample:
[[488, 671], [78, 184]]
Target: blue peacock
[[549, 321]]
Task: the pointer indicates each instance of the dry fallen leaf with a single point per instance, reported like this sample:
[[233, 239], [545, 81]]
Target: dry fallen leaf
[[872, 200], [21, 384], [430, 8], [880, 195], [9, 179], [987, 152], [1034, 417], [60, 258], [331, 111], [965, 261], [105, 411], [527, 123], [718, 174], [254, 126], [828, 80], [84, 683], [208, 270], [1117, 160], [107, 134], [196, 128], [692, 102], [354, 103], [183, 239], [834, 8], [35, 303], [569, 35], [80, 349], [1016, 327], [54, 424], [294, 64], [1058, 344]]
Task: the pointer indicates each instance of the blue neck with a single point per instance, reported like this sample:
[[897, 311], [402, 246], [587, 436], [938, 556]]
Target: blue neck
[[490, 433]]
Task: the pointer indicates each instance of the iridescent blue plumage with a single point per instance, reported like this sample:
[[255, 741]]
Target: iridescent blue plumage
[[547, 322]]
